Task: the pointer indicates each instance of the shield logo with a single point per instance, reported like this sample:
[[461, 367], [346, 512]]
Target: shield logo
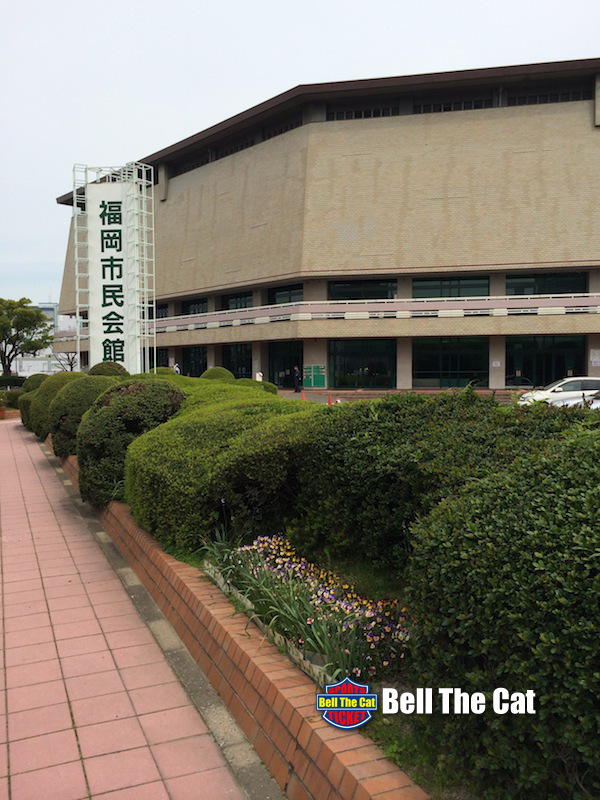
[[347, 717]]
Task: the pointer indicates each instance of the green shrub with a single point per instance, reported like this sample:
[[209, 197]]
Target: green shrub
[[204, 392], [34, 381], [218, 374], [69, 405], [12, 397], [39, 411], [114, 420], [108, 368], [25, 401], [163, 371], [172, 477], [504, 586], [12, 381], [372, 467], [266, 386]]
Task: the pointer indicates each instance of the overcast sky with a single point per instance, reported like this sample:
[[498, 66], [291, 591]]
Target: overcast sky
[[104, 83]]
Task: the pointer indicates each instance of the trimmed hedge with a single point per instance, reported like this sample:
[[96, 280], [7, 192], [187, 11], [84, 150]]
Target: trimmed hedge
[[504, 585], [34, 381], [266, 386], [114, 420], [173, 479], [372, 468], [218, 374], [39, 411], [14, 381], [12, 397], [68, 407], [108, 368], [25, 401]]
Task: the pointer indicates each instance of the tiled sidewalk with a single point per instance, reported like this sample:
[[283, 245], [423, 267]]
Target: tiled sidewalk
[[89, 706]]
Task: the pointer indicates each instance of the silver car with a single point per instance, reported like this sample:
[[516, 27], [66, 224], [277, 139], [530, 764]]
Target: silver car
[[564, 391]]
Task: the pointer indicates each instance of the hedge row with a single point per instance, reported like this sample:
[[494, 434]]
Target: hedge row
[[504, 585], [68, 407], [39, 410]]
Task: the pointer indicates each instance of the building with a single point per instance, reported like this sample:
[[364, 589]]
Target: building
[[420, 231]]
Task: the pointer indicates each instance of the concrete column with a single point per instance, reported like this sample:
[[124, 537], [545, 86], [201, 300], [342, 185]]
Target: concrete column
[[213, 355], [315, 290], [497, 284], [314, 112], [171, 306], [259, 296], [163, 182], [211, 301], [315, 353], [497, 362], [259, 362], [594, 280], [593, 359], [404, 363], [597, 103]]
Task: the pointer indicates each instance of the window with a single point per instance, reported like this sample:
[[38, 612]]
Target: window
[[237, 358], [362, 290], [450, 361], [229, 302], [478, 286], [544, 359], [362, 363], [198, 305], [433, 106], [542, 95], [286, 294], [547, 283], [283, 357], [193, 361]]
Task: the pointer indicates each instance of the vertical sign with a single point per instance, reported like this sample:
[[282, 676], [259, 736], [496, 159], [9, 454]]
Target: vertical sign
[[113, 220]]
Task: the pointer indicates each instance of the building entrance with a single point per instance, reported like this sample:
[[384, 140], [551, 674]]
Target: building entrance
[[283, 357], [544, 359]]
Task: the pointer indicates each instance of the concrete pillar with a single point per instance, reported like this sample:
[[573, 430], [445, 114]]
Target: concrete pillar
[[404, 363], [597, 103], [259, 296], [497, 362], [314, 112], [171, 307], [594, 280], [404, 290], [593, 359], [315, 290], [497, 284], [315, 353], [163, 182], [211, 302], [259, 361], [213, 356]]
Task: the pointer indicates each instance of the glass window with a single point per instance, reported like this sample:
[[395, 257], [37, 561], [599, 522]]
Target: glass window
[[162, 311], [193, 361], [283, 357], [362, 363], [362, 290], [229, 302], [237, 358], [197, 305], [286, 294], [476, 286], [162, 357], [450, 361], [544, 359], [547, 283]]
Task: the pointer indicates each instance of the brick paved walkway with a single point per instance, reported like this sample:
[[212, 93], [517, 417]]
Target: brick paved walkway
[[89, 706]]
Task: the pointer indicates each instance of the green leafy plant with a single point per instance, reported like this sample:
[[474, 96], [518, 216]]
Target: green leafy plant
[[218, 374], [39, 410], [68, 407], [108, 368], [34, 381]]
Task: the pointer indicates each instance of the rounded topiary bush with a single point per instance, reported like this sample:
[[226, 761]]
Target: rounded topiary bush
[[25, 401], [39, 411], [163, 371], [12, 397], [266, 386], [68, 407], [114, 420], [504, 586], [108, 368], [218, 374], [34, 381], [172, 477]]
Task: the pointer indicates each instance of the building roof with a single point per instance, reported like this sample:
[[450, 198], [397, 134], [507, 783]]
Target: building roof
[[305, 94]]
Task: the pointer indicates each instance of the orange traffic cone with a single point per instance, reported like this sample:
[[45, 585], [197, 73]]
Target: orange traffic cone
[[329, 400], [303, 398]]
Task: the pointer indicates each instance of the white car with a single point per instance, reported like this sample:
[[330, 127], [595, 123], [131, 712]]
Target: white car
[[563, 391], [579, 402]]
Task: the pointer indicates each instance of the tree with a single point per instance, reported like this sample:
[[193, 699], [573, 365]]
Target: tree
[[24, 329], [66, 361]]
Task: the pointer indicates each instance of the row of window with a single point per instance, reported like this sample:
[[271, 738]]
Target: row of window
[[437, 362], [468, 286]]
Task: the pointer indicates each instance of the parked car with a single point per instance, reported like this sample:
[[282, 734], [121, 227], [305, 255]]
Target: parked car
[[578, 402], [577, 389]]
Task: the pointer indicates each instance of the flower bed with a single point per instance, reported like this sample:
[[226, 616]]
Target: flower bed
[[314, 610]]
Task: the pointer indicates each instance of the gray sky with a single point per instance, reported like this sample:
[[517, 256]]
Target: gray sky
[[109, 82]]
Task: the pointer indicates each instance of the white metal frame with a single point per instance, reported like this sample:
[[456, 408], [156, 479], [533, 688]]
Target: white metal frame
[[139, 181]]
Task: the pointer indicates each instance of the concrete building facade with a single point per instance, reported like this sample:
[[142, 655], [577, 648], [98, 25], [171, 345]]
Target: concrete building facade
[[423, 231]]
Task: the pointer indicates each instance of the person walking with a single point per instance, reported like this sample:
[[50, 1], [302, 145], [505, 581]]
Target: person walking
[[296, 378], [177, 368]]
